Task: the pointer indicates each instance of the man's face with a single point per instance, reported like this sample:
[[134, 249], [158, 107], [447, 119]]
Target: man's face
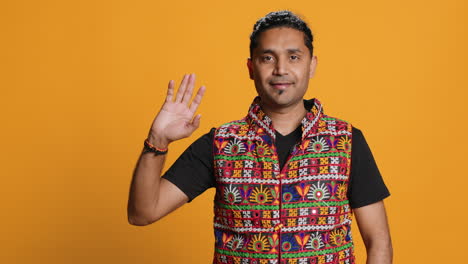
[[281, 67]]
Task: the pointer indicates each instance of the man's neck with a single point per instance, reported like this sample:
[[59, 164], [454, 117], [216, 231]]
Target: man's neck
[[285, 120]]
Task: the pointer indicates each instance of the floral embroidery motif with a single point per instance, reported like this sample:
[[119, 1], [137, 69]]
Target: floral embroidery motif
[[259, 243], [315, 241], [236, 243], [232, 195], [234, 147], [261, 195], [318, 145], [344, 143], [318, 192]]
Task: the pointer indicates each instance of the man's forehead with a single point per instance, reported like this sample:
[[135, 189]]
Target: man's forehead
[[281, 39], [281, 34], [277, 32]]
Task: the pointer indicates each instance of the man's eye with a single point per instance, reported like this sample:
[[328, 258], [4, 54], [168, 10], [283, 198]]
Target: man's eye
[[294, 57], [267, 58]]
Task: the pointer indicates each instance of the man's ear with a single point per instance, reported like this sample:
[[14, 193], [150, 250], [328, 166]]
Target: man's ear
[[313, 66], [250, 68]]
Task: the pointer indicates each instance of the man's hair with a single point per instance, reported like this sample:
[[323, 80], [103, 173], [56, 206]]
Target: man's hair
[[283, 18]]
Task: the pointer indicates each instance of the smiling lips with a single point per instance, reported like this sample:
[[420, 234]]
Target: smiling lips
[[281, 85]]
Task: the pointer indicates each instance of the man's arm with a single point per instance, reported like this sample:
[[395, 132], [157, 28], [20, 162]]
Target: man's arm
[[373, 226], [152, 197]]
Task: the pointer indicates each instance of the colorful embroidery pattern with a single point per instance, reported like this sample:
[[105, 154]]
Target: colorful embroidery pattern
[[297, 215]]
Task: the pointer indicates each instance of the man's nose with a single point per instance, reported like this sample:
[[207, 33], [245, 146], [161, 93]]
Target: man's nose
[[280, 67]]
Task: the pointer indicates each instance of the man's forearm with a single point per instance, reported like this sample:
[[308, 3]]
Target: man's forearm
[[144, 189], [380, 254]]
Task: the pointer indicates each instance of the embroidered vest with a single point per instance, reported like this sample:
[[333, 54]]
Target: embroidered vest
[[299, 214]]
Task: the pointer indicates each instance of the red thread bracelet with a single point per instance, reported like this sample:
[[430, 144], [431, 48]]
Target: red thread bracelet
[[154, 147]]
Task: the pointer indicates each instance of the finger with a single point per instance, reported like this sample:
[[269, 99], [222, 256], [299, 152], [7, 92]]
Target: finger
[[188, 91], [196, 122], [197, 100], [181, 90], [170, 91]]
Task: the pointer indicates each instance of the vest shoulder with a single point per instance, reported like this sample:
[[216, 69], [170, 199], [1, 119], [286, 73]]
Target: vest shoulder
[[232, 126], [327, 118], [233, 123], [337, 122]]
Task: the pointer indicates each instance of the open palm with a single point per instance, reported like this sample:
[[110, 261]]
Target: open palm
[[176, 119]]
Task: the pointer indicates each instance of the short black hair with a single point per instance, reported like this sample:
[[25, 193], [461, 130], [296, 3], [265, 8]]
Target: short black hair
[[282, 18]]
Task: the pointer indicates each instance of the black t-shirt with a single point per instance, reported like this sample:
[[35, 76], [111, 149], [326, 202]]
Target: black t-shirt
[[193, 171]]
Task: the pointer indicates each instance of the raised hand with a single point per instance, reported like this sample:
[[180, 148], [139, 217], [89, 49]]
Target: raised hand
[[175, 119]]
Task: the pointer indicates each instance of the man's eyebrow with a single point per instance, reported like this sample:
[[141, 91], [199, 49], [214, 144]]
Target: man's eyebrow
[[294, 51], [266, 51], [289, 51]]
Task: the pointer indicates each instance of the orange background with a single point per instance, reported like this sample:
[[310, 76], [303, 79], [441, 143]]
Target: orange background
[[81, 82]]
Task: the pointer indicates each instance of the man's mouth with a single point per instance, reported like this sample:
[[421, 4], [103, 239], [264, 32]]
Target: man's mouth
[[281, 85]]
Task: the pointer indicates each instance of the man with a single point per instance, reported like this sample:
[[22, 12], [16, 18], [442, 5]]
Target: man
[[288, 177]]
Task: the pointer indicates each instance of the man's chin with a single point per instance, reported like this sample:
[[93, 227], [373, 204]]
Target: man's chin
[[277, 100]]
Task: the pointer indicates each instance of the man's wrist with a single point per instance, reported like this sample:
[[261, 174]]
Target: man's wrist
[[158, 142]]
